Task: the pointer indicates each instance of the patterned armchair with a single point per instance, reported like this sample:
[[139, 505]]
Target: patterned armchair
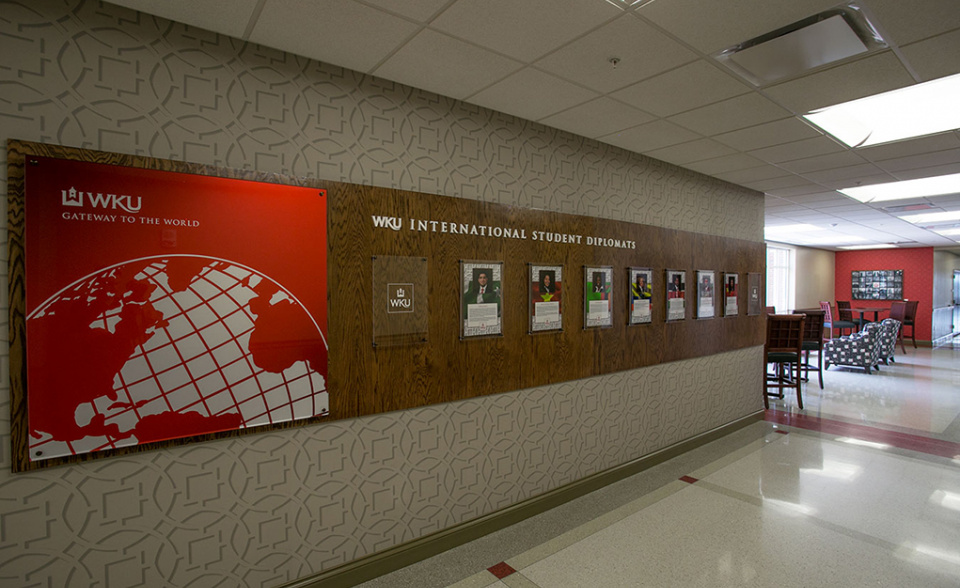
[[860, 349], [888, 339]]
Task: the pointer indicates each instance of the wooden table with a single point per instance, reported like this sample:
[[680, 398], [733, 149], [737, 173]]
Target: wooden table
[[874, 309]]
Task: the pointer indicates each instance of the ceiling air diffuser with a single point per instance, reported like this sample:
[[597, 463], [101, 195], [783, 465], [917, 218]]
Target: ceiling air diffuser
[[821, 39]]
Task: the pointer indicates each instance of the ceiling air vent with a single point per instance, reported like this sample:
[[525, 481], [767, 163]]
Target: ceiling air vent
[[818, 40], [909, 207]]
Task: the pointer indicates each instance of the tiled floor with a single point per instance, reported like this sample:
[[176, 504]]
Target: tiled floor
[[861, 488]]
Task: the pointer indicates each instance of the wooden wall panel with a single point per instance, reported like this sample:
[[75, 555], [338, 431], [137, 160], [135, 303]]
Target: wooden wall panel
[[446, 368], [364, 379]]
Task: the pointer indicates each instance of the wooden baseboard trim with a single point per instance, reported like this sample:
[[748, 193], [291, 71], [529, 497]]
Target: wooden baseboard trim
[[400, 556]]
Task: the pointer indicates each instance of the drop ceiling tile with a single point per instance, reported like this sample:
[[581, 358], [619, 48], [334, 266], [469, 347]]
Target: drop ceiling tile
[[844, 209], [926, 172], [418, 10], [650, 136], [735, 113], [786, 209], [926, 160], [823, 162], [754, 174], [951, 200], [833, 207], [846, 177], [769, 201], [331, 31], [909, 147], [798, 150], [697, 150], [690, 86], [598, 117], [791, 193], [532, 94], [906, 22], [853, 173], [444, 65], [819, 199], [229, 17], [813, 217], [724, 164], [860, 215], [711, 26], [777, 132], [863, 77], [643, 52], [523, 30], [935, 58], [778, 183]]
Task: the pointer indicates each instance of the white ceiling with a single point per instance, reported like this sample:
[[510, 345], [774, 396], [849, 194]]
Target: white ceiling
[[549, 61]]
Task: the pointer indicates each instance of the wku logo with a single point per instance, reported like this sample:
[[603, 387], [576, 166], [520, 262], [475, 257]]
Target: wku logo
[[72, 197], [399, 298], [385, 222]]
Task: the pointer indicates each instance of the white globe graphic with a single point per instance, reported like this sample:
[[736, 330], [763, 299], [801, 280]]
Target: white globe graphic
[[175, 334]]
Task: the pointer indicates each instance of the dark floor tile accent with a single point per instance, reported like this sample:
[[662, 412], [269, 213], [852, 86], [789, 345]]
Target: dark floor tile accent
[[688, 479], [501, 570], [782, 432]]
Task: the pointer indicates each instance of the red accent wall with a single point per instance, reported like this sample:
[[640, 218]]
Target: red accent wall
[[917, 266]]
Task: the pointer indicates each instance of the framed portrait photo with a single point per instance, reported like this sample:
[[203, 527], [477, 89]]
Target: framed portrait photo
[[597, 296], [481, 298], [706, 294], [731, 292], [676, 289], [546, 296], [641, 295]]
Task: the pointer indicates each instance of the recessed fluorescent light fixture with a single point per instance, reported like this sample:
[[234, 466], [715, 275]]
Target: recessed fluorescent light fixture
[[919, 188], [879, 246], [823, 38], [933, 217], [948, 232], [915, 111]]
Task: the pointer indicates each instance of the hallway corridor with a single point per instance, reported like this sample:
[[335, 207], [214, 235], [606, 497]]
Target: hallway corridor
[[861, 488]]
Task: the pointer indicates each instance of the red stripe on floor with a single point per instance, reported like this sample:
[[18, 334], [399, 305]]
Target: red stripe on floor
[[873, 434]]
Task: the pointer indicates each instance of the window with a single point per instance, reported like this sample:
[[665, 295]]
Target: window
[[780, 278]]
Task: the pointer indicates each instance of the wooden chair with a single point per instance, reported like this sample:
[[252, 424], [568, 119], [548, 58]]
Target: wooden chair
[[783, 348], [844, 313], [770, 310], [812, 341], [909, 319], [829, 322], [898, 311]]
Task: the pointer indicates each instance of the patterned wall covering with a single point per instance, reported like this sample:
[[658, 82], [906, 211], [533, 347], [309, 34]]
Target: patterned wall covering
[[917, 266], [265, 509]]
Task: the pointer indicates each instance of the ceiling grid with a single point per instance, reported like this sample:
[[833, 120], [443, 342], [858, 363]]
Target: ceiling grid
[[664, 96]]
